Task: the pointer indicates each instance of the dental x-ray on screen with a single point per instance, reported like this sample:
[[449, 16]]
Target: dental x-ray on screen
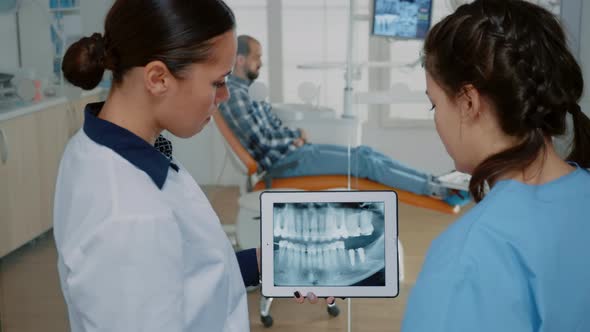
[[406, 19], [330, 243]]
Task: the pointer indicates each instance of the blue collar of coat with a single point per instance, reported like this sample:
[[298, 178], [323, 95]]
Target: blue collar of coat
[[128, 145]]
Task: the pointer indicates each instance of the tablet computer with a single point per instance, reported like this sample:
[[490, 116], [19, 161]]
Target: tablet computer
[[331, 243]]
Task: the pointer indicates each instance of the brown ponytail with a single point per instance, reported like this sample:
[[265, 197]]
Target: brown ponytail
[[580, 150]]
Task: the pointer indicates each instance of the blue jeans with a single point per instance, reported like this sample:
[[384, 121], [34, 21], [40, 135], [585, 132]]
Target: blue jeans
[[325, 159]]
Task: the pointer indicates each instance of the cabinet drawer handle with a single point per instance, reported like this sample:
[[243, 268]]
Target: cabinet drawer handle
[[3, 147]]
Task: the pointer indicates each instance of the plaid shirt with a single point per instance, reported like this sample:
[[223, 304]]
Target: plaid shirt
[[259, 130]]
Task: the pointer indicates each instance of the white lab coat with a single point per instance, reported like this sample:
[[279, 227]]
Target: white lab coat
[[134, 257]]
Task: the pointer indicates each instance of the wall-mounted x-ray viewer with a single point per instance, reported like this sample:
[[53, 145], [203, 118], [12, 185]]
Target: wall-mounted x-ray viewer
[[332, 243], [404, 19]]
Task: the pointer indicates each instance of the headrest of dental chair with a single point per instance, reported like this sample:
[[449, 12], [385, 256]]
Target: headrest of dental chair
[[258, 91]]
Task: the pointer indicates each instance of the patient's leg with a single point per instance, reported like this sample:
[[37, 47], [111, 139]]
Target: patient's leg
[[364, 162]]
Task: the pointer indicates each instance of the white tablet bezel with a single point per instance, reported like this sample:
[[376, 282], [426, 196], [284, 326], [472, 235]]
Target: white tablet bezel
[[268, 198]]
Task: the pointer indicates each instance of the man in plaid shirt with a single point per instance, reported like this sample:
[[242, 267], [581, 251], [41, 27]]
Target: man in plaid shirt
[[274, 145], [259, 130]]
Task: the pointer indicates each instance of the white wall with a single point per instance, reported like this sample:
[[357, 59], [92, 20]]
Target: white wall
[[206, 158], [36, 46], [93, 13], [418, 147], [8, 51]]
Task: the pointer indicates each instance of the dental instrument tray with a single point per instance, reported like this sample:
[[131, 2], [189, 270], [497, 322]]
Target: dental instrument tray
[[331, 243]]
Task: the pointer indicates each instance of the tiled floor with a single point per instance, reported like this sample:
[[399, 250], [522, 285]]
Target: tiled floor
[[31, 300]]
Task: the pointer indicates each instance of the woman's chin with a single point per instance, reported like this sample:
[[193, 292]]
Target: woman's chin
[[190, 132]]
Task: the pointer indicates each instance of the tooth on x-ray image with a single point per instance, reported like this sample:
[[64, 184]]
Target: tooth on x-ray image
[[329, 244]]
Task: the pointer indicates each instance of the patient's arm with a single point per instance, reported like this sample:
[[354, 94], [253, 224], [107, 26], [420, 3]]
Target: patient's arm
[[265, 137], [303, 136], [298, 142], [277, 124], [250, 123]]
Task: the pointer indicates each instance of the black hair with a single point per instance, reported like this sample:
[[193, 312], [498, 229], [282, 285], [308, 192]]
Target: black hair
[[176, 32], [515, 54]]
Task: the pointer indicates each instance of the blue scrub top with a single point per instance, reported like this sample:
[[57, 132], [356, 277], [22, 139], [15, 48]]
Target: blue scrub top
[[517, 261]]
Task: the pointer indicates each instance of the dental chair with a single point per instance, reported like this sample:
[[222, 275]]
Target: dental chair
[[256, 181]]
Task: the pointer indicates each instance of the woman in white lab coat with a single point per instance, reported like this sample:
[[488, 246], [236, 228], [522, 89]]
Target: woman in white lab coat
[[140, 248]]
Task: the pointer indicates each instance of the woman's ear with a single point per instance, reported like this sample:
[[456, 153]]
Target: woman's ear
[[157, 78], [470, 103]]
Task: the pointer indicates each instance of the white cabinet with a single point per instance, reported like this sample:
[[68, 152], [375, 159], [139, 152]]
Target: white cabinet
[[54, 126], [20, 183], [31, 147]]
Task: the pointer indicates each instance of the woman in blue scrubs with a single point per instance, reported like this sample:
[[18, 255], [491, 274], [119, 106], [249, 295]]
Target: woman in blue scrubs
[[139, 246], [503, 83]]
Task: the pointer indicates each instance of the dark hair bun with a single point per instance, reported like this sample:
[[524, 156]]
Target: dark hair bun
[[83, 64]]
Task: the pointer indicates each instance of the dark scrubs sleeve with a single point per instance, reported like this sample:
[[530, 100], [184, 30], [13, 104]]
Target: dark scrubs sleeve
[[248, 266]]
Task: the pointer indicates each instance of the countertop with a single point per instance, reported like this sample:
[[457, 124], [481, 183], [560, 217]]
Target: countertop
[[10, 110]]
